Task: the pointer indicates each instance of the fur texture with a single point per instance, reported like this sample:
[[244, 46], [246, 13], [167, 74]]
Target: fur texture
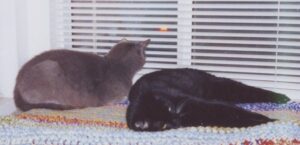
[[64, 79], [175, 98]]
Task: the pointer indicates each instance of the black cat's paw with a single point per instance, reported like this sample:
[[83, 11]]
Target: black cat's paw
[[141, 125], [151, 126]]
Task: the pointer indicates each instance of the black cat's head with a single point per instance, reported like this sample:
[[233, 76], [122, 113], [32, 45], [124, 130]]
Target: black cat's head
[[154, 113], [130, 53]]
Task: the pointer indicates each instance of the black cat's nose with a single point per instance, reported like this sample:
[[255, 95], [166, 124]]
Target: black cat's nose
[[141, 125]]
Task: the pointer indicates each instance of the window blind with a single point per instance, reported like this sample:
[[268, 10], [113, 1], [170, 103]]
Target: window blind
[[253, 41]]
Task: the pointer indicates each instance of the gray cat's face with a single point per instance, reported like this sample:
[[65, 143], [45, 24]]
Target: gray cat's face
[[130, 52]]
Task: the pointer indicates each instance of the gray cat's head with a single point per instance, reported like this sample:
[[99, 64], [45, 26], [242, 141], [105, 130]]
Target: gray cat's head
[[129, 53]]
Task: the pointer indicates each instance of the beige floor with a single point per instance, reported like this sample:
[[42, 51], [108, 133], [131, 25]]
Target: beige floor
[[7, 106]]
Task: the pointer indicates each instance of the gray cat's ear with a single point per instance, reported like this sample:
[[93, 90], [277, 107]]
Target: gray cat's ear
[[123, 40], [142, 45], [145, 43]]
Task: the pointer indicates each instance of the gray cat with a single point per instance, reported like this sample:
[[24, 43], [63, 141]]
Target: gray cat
[[65, 79]]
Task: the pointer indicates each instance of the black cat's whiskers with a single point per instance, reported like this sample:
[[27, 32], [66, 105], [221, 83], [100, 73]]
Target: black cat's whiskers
[[181, 105]]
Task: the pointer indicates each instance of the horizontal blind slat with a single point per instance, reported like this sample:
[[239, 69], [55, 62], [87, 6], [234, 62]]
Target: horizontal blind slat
[[248, 40]]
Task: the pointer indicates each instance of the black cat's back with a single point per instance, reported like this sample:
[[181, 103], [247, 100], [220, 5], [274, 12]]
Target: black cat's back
[[207, 86], [180, 79]]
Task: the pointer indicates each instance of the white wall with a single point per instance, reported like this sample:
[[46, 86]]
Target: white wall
[[24, 32], [33, 27], [8, 47]]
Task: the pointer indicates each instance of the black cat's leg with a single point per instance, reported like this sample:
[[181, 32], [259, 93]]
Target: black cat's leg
[[235, 92], [202, 113], [136, 97]]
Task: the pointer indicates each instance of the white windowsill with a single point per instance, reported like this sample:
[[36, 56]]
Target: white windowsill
[[7, 106]]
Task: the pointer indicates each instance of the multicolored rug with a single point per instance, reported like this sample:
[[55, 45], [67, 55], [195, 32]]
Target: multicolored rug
[[106, 125]]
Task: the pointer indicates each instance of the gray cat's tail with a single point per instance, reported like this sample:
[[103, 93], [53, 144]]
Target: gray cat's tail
[[25, 106]]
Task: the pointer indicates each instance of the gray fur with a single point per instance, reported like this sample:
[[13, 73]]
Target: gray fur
[[65, 79]]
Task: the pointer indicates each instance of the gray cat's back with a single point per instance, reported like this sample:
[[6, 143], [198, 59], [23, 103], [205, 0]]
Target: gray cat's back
[[42, 79], [69, 61], [65, 79]]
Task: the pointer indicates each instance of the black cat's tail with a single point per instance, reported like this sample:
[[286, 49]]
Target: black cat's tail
[[25, 106], [236, 92], [261, 95], [280, 98]]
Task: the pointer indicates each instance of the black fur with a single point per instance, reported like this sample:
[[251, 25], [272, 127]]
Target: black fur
[[175, 98]]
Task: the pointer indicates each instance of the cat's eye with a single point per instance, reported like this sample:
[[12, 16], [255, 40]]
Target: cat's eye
[[170, 109]]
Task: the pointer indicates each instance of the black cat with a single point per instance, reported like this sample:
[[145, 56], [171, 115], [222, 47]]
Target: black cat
[[175, 98]]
